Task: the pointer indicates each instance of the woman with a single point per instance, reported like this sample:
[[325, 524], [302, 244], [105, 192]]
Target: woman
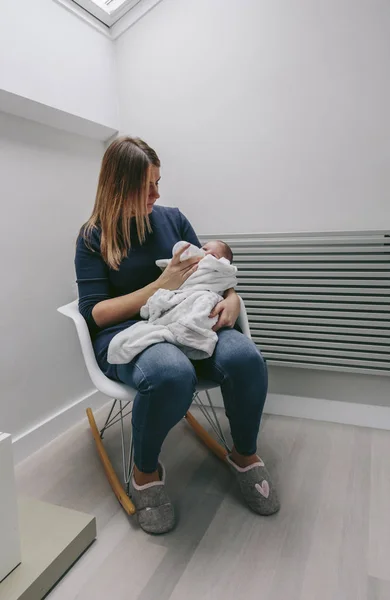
[[116, 274]]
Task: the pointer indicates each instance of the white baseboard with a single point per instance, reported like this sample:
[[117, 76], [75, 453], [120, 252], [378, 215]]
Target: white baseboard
[[348, 413], [318, 409], [47, 430]]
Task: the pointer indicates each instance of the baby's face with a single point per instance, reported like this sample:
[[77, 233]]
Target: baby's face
[[215, 249]]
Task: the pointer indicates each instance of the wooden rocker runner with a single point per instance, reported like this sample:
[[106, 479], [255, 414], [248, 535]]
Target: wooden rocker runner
[[122, 405]]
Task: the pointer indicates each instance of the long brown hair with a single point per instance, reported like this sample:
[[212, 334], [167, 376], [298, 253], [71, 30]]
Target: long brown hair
[[121, 194]]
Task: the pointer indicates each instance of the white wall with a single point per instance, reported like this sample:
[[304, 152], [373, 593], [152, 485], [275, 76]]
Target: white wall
[[50, 56], [47, 188], [268, 115]]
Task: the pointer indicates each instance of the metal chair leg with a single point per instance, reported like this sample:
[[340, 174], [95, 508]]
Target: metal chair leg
[[112, 477], [118, 413], [110, 421], [107, 420], [210, 414], [206, 438], [127, 461], [218, 446]]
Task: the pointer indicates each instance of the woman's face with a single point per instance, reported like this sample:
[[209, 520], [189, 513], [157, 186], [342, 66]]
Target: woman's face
[[153, 188]]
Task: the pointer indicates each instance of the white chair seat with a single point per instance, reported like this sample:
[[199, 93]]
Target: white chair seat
[[114, 389], [123, 393]]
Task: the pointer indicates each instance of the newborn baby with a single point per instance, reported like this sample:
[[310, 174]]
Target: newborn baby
[[217, 248], [215, 273], [182, 317]]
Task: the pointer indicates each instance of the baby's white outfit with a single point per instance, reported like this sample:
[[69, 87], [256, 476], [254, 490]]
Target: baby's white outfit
[[180, 317]]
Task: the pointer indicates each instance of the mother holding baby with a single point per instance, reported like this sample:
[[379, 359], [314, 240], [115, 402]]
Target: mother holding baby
[[116, 271]]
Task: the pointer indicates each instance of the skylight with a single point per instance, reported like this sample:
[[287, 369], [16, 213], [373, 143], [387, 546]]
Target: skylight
[[107, 11], [109, 6]]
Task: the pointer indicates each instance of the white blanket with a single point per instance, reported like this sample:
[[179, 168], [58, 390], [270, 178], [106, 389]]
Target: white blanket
[[180, 317]]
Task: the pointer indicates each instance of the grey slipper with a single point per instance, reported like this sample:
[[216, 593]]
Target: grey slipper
[[256, 487], [154, 509]]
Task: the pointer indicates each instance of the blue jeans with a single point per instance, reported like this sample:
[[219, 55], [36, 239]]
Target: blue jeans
[[165, 380]]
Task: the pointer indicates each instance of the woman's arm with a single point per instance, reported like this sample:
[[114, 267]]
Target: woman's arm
[[115, 310], [95, 304], [227, 310], [230, 292]]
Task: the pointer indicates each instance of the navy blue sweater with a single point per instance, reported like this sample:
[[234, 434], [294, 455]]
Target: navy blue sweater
[[97, 281]]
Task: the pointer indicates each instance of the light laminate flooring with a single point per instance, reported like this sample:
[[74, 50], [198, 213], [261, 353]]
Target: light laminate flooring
[[330, 541]]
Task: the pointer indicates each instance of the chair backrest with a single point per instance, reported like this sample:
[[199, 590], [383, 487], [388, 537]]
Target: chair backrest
[[107, 386], [242, 320]]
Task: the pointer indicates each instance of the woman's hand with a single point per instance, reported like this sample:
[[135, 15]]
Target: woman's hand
[[177, 272], [227, 310]]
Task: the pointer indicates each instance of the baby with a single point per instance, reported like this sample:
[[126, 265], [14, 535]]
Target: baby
[[217, 248], [182, 317]]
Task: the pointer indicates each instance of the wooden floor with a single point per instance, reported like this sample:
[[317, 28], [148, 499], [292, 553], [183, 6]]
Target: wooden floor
[[330, 541]]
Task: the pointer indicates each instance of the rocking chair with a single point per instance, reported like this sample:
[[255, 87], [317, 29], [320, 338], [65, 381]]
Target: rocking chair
[[124, 395]]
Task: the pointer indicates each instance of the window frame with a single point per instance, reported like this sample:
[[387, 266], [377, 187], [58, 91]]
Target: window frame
[[111, 26], [103, 16]]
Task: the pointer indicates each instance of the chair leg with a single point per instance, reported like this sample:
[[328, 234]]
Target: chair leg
[[107, 420], [219, 449], [118, 416], [127, 461], [210, 414], [206, 438], [112, 477]]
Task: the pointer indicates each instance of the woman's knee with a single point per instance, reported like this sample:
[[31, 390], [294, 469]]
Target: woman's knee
[[164, 368], [237, 353]]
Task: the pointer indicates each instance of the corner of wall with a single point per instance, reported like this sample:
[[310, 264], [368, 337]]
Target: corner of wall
[[41, 434]]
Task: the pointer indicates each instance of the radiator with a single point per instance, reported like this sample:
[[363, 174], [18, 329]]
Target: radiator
[[317, 300]]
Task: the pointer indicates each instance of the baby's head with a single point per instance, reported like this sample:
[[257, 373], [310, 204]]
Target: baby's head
[[218, 249]]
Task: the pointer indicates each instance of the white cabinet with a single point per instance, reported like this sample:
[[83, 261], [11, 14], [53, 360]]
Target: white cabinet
[[9, 526]]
